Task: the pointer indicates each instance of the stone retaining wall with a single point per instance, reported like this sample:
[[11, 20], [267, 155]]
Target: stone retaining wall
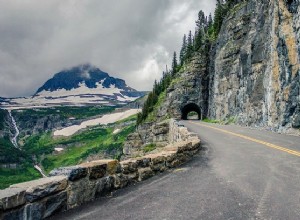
[[70, 187]]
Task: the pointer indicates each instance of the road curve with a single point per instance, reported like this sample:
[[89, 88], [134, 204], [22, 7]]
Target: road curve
[[242, 173]]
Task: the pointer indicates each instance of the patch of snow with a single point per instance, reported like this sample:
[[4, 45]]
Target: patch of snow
[[116, 131], [81, 90], [126, 98], [42, 102], [82, 95], [104, 120]]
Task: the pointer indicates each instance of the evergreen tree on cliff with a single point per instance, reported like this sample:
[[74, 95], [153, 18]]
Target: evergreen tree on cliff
[[174, 64], [183, 50], [201, 27], [189, 50]]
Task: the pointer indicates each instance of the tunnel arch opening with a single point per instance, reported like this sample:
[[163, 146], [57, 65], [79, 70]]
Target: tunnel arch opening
[[189, 108]]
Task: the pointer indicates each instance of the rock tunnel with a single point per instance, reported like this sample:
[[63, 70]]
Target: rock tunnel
[[191, 107]]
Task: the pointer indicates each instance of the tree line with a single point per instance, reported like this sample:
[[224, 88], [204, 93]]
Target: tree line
[[206, 32]]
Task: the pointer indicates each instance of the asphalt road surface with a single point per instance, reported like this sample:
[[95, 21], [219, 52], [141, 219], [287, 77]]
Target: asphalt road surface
[[241, 173]]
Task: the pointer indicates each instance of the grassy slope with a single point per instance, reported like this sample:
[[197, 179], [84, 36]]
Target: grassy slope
[[94, 141], [12, 176], [78, 147], [153, 115]]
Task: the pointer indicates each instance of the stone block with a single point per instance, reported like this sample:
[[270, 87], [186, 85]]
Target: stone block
[[158, 159], [160, 167], [145, 173], [11, 198], [38, 189], [96, 170], [143, 162], [104, 185], [13, 214], [185, 147], [54, 204], [100, 168], [172, 160], [73, 172], [80, 192], [129, 166], [40, 209], [132, 177], [113, 167], [120, 181]]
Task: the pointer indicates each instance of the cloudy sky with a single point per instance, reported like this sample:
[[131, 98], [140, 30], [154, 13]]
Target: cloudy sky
[[129, 39]]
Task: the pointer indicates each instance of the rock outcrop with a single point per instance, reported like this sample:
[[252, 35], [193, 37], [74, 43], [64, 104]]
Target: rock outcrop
[[255, 66], [251, 73]]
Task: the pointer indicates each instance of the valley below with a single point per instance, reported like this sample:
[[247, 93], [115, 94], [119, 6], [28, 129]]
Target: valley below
[[35, 141]]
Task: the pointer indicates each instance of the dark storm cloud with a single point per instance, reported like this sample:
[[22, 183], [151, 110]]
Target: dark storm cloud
[[130, 39]]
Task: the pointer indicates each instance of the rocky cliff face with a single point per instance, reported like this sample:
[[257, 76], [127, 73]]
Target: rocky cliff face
[[255, 66], [189, 89], [251, 74]]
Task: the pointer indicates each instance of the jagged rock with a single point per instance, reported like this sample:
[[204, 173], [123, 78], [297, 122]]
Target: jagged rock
[[73, 172], [154, 132], [296, 120], [11, 198], [132, 144], [38, 189], [257, 85]]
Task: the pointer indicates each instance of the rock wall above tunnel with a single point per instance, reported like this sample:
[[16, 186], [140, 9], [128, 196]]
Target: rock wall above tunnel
[[189, 87]]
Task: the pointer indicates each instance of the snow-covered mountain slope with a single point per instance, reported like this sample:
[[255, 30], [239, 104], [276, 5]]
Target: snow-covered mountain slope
[[80, 85]]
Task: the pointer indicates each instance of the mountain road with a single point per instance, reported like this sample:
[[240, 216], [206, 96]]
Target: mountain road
[[241, 173]]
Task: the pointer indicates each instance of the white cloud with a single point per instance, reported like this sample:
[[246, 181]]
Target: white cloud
[[130, 39]]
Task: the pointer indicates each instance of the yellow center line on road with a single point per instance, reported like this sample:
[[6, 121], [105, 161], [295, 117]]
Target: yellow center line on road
[[293, 152]]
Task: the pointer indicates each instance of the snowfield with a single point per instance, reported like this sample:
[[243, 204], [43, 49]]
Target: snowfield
[[104, 120], [81, 90], [77, 96]]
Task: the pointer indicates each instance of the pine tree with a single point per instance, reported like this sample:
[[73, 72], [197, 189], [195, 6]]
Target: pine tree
[[183, 50], [210, 20], [201, 29], [220, 13], [201, 23], [189, 50], [174, 64]]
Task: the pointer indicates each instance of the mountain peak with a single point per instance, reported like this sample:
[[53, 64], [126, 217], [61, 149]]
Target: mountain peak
[[82, 84], [88, 74]]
